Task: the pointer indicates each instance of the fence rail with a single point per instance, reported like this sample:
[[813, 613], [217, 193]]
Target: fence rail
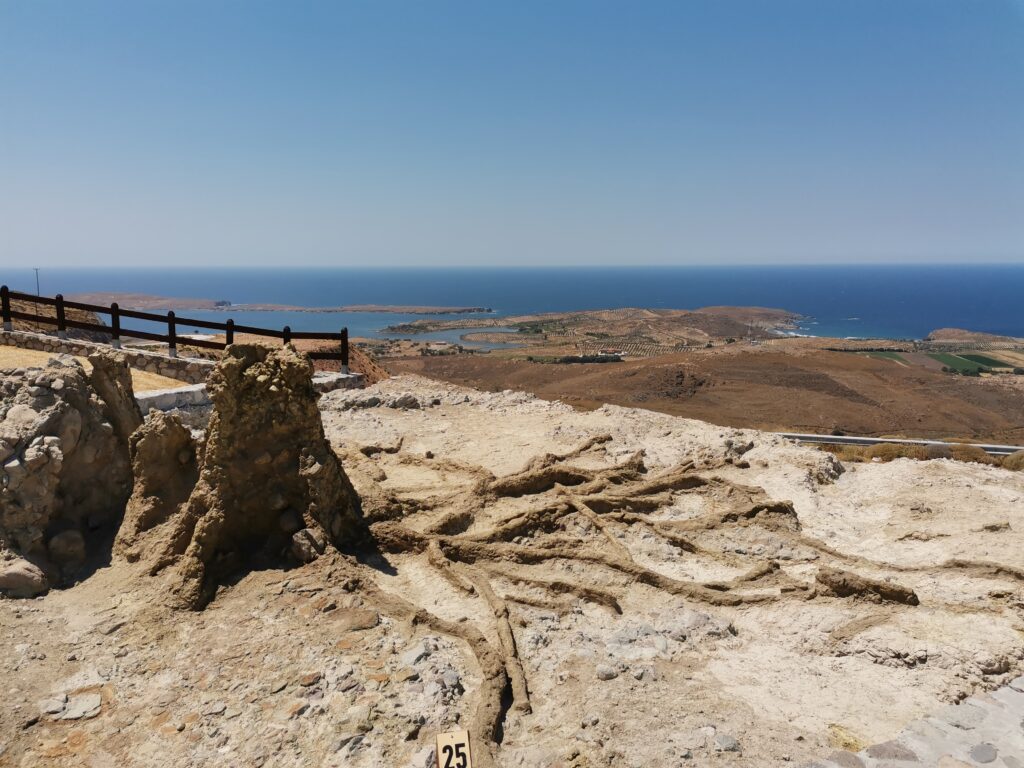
[[171, 338]]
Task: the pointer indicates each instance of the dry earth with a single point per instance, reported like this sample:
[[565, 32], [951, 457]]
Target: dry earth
[[788, 386], [665, 605]]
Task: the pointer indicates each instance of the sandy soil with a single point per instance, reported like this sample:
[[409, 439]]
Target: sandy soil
[[296, 668], [142, 381]]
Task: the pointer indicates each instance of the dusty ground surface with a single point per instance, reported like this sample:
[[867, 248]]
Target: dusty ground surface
[[737, 653], [789, 386], [142, 381]]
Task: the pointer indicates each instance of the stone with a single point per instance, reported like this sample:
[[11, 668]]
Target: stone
[[307, 545], [606, 672], [983, 753], [726, 743], [891, 750], [406, 402], [67, 548], [450, 680], [415, 654], [20, 578], [312, 678], [53, 705], [82, 706]]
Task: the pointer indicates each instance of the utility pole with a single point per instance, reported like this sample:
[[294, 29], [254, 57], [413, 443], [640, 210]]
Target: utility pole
[[37, 280]]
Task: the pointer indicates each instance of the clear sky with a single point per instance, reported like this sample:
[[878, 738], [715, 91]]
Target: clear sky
[[527, 132]]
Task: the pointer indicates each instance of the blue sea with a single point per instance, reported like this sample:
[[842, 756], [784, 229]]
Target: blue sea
[[903, 301]]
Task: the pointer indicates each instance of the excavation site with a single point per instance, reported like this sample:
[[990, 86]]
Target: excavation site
[[290, 578]]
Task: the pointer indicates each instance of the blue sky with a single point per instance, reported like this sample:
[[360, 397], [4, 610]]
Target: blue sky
[[499, 133]]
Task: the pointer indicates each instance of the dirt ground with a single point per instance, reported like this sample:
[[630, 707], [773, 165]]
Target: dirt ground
[[701, 631], [142, 381], [804, 389]]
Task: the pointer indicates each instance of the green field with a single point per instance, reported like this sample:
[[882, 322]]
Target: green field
[[956, 363], [990, 362]]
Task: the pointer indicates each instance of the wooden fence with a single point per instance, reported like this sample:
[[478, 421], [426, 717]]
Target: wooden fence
[[171, 338]]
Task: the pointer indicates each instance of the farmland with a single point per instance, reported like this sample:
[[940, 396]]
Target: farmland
[[989, 362], [958, 364]]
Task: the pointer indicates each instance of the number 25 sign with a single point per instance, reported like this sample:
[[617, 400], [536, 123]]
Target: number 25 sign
[[453, 750]]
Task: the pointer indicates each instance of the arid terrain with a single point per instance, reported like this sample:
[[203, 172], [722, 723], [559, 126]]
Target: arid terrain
[[611, 587], [788, 386]]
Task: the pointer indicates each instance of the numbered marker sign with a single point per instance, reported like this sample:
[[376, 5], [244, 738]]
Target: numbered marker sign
[[453, 750]]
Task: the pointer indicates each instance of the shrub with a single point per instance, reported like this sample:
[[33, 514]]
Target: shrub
[[891, 451], [972, 453], [1019, 371], [1014, 461]]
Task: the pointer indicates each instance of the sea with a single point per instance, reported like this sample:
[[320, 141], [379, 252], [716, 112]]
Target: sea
[[893, 301]]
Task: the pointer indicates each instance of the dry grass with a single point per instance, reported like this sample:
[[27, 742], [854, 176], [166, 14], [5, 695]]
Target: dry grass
[[142, 381], [891, 451], [1014, 461]]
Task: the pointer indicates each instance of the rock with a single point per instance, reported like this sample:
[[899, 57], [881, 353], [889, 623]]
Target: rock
[[307, 545], [415, 654], [53, 705], [66, 468], [67, 548], [20, 578], [726, 743], [82, 706], [891, 750], [983, 753], [405, 402], [606, 672], [450, 680], [423, 759], [309, 679]]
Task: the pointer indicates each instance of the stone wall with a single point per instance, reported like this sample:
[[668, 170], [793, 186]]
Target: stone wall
[[185, 369]]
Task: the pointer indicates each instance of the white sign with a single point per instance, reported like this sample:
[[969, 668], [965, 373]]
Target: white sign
[[453, 750]]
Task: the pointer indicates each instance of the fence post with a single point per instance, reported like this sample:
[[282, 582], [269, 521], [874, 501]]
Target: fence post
[[172, 336], [5, 307], [287, 334], [62, 328], [115, 326], [344, 350], [229, 336]]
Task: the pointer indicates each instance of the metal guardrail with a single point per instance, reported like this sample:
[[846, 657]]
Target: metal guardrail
[[171, 338], [991, 449]]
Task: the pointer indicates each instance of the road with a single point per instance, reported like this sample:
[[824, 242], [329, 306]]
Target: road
[[992, 450]]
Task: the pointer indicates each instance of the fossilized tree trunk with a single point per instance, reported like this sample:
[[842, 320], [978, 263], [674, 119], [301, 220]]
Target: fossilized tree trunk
[[269, 482]]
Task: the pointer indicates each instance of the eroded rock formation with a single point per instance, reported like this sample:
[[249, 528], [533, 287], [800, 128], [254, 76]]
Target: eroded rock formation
[[166, 470], [269, 487], [65, 473]]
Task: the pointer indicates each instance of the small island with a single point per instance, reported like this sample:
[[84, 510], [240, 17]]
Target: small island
[[146, 302]]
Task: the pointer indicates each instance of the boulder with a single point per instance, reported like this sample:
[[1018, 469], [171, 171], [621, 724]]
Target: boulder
[[20, 578]]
